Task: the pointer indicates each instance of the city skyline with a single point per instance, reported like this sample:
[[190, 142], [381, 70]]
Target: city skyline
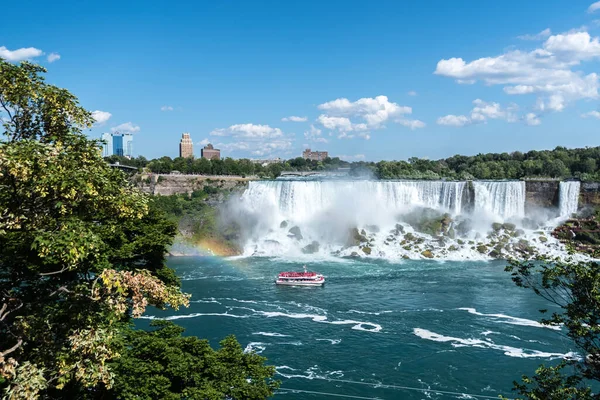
[[424, 79]]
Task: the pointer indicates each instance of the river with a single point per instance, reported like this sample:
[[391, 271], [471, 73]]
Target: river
[[414, 329]]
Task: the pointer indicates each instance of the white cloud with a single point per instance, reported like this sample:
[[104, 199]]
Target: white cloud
[[53, 57], [166, 108], [314, 134], [21, 54], [593, 114], [257, 148], [454, 120], [127, 127], [531, 119], [293, 118], [101, 116], [249, 131], [356, 157], [593, 7], [546, 71], [538, 36], [411, 123], [341, 115], [203, 142], [481, 112], [341, 124], [412, 93]]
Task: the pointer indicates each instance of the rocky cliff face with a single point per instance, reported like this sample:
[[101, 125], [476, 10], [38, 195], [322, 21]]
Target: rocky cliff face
[[590, 194], [166, 185], [541, 194]]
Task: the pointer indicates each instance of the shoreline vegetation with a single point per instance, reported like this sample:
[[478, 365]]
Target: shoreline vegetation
[[560, 163]]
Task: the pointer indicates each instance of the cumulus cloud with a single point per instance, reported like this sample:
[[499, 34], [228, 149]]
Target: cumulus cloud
[[25, 53], [365, 114], [411, 123], [591, 114], [101, 116], [255, 139], [480, 113], [166, 108], [547, 71], [203, 142], [314, 135], [454, 120], [531, 119], [538, 36], [249, 131], [53, 57], [293, 118], [593, 7], [412, 93], [127, 127]]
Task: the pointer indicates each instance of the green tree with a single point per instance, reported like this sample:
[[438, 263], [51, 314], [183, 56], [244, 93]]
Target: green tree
[[574, 288], [163, 364], [81, 251]]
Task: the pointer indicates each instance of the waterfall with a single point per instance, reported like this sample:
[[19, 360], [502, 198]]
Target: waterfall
[[568, 198], [503, 199], [302, 200]]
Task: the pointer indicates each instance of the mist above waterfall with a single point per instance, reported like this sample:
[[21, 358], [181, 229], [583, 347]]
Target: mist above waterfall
[[392, 218]]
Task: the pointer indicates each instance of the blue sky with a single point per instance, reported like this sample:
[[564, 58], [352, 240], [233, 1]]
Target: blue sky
[[369, 81]]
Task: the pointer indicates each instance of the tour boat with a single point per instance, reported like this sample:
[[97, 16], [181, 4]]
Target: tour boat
[[305, 278]]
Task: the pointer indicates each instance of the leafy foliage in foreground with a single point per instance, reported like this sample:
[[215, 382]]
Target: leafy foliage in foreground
[[163, 364], [575, 288], [81, 254]]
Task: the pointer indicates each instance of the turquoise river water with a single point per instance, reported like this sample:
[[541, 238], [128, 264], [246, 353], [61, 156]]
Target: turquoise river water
[[410, 330]]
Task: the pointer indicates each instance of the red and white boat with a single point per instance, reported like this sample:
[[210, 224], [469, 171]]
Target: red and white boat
[[305, 278]]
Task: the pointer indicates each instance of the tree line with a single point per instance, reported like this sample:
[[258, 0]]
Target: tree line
[[560, 163]]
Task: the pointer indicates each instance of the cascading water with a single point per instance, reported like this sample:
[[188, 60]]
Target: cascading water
[[502, 199], [568, 198], [390, 219], [302, 200]]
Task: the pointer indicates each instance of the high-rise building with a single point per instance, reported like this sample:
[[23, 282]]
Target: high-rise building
[[117, 144], [314, 155], [186, 146], [210, 152], [107, 146]]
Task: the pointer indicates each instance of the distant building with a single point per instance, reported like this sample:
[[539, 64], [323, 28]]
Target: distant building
[[107, 146], [186, 146], [314, 155], [210, 152], [117, 144]]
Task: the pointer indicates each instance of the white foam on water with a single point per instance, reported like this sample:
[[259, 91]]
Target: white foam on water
[[310, 373], [507, 319], [488, 333], [332, 341], [194, 315], [368, 312], [489, 344], [358, 325], [256, 347], [271, 334]]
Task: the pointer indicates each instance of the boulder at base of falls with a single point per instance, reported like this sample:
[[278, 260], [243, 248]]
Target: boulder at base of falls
[[311, 248], [283, 224], [355, 238], [295, 232], [366, 250], [427, 254]]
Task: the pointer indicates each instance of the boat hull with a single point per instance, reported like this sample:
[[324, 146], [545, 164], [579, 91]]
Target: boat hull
[[286, 283]]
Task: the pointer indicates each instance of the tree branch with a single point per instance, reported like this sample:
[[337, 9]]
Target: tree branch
[[16, 346]]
